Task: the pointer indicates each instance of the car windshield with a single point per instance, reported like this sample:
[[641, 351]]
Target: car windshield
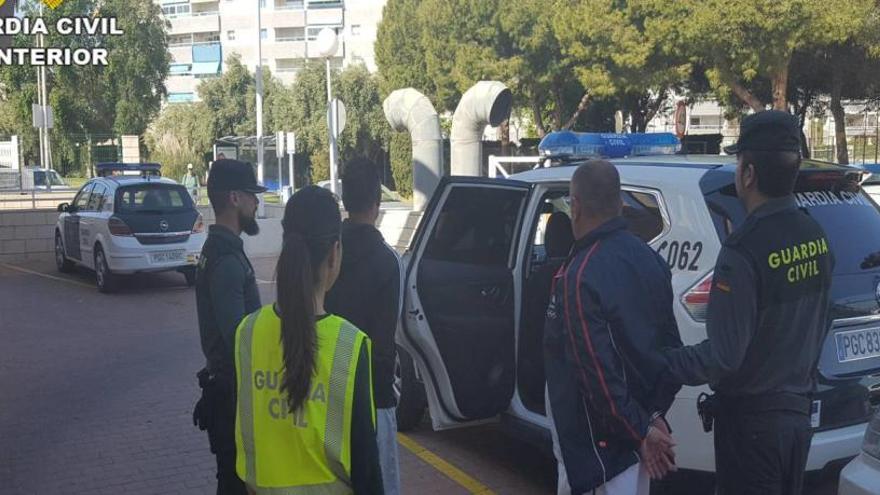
[[152, 198], [40, 178]]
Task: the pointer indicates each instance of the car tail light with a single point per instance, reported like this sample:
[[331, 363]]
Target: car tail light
[[199, 226], [696, 299], [118, 227], [871, 445]]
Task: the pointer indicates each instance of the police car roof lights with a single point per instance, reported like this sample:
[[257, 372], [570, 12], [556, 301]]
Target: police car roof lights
[[568, 145], [145, 169]]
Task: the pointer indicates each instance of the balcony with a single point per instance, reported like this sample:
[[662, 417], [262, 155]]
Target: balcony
[[283, 18], [197, 22], [284, 49], [181, 53], [325, 16]]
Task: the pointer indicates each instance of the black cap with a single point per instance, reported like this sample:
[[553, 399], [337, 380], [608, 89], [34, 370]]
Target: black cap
[[770, 130], [233, 175]]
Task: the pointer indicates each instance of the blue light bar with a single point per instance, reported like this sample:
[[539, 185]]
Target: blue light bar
[[107, 168], [573, 145]]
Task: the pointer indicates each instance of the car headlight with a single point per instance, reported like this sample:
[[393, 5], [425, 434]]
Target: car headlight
[[871, 445]]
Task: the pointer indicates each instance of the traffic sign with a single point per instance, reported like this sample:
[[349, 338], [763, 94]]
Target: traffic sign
[[680, 119], [340, 117], [279, 144]]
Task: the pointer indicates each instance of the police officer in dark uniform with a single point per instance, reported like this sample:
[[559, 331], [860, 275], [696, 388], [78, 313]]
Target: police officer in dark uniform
[[226, 291], [767, 318]]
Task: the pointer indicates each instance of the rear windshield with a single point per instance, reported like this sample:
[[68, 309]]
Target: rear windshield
[[850, 218], [153, 198]]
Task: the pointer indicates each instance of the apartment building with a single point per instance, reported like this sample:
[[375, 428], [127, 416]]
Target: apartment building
[[203, 33]]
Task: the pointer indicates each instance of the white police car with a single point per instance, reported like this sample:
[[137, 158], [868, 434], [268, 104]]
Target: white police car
[[475, 298], [129, 220]]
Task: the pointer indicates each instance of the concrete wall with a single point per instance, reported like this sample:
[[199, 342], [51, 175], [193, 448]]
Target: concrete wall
[[28, 234]]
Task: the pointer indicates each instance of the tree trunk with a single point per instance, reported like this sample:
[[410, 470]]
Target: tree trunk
[[504, 137], [582, 105], [654, 108], [839, 118], [801, 108], [557, 108], [780, 88], [743, 94], [538, 115]]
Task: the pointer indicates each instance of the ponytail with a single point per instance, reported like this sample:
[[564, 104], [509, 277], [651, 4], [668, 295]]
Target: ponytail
[[296, 303], [312, 225]]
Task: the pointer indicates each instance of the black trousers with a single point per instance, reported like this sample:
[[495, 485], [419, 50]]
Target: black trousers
[[761, 453], [221, 434]]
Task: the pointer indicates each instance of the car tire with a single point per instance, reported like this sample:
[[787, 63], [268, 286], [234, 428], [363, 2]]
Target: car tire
[[105, 279], [413, 402], [190, 274], [63, 264]]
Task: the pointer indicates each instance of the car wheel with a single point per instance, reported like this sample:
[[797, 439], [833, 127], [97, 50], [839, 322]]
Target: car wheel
[[105, 279], [411, 391], [64, 265], [190, 274]]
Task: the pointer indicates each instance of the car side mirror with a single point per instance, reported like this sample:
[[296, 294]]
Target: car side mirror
[[63, 207]]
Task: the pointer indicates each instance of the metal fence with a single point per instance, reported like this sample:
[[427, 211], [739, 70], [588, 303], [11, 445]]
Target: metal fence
[[34, 199]]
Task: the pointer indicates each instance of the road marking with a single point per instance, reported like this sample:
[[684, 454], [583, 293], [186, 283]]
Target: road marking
[[450, 471], [45, 275], [265, 282]]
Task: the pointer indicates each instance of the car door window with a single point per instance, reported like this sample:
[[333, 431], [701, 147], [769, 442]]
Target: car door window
[[82, 199], [643, 214], [476, 226], [96, 198]]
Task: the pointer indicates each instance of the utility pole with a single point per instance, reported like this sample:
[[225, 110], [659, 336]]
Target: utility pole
[[259, 80]]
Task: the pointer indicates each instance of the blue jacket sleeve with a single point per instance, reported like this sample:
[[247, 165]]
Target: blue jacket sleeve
[[599, 366]]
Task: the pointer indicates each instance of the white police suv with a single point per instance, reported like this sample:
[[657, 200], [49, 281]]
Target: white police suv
[[127, 220], [476, 289]]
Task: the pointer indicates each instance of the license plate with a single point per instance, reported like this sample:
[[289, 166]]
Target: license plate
[[858, 344], [168, 256]]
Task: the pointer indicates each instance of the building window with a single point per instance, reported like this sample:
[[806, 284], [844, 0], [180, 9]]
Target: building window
[[262, 4], [313, 30], [180, 97], [264, 34], [325, 4], [355, 29], [230, 35], [695, 121], [290, 34], [290, 5], [180, 40], [289, 64], [180, 69], [176, 10]]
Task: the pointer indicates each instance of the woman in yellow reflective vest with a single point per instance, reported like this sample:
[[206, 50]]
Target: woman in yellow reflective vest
[[306, 420]]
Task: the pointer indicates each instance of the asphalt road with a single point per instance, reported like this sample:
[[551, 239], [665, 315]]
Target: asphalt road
[[96, 393]]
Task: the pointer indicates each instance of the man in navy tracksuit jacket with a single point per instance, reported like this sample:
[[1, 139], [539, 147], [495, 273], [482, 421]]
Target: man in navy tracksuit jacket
[[610, 313]]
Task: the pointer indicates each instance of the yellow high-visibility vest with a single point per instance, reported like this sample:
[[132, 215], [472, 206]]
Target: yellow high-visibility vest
[[306, 451]]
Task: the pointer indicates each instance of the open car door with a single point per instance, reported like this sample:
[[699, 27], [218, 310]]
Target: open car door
[[462, 297]]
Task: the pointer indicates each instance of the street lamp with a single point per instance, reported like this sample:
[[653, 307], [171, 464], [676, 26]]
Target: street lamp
[[259, 80], [327, 45]]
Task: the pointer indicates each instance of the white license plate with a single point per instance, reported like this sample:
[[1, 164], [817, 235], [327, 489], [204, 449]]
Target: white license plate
[[858, 344], [168, 256]]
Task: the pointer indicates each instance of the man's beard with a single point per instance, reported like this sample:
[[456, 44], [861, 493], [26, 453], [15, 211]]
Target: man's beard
[[248, 224]]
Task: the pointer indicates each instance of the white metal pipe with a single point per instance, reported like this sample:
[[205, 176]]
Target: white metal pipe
[[407, 109], [332, 126], [485, 103], [259, 81]]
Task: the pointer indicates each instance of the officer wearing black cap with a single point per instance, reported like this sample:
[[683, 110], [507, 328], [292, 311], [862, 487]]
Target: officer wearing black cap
[[765, 326], [226, 291]]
